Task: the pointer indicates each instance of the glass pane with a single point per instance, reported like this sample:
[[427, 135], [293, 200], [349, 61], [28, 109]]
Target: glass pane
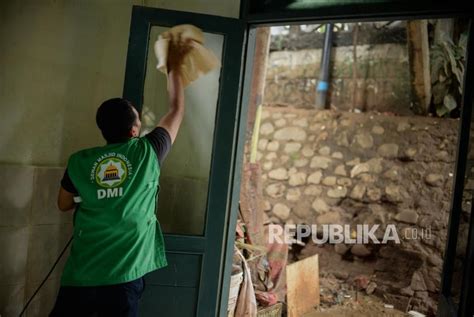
[[463, 231], [185, 172]]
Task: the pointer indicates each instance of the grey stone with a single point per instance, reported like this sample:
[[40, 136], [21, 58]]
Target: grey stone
[[338, 192], [290, 134], [418, 282], [364, 140], [267, 206], [280, 122], [273, 146], [375, 165], [359, 169], [403, 126], [378, 130], [320, 162], [302, 122], [325, 151], [341, 139], [358, 192], [277, 115], [393, 193], [271, 156], [344, 181], [259, 156], [265, 114], [434, 180], [329, 181], [340, 170], [315, 178], [332, 217], [297, 179], [275, 190], [435, 260], [410, 153], [282, 211], [292, 171], [266, 128], [284, 158], [320, 206], [374, 193], [315, 127], [341, 248], [346, 122], [302, 212], [393, 174], [292, 147], [301, 162], [312, 190], [290, 115], [267, 165], [293, 194], [389, 150], [371, 288], [337, 155], [353, 162], [443, 156], [407, 216], [278, 174], [262, 144], [368, 178], [308, 152], [407, 291], [360, 250]]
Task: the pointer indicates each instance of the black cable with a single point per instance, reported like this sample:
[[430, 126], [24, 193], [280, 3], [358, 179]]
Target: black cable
[[46, 278]]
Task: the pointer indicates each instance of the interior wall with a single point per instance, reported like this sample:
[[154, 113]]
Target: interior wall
[[59, 59]]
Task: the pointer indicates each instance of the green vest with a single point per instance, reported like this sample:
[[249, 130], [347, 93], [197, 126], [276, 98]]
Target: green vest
[[117, 237]]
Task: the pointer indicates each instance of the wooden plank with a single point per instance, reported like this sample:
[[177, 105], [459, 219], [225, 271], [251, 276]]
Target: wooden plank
[[302, 286], [419, 60]]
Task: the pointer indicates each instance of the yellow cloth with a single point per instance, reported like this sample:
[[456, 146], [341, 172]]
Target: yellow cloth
[[196, 63]]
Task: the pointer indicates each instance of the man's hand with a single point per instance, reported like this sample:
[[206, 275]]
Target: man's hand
[[177, 51]]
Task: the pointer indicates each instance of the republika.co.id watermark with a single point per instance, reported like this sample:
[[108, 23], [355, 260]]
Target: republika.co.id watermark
[[336, 233]]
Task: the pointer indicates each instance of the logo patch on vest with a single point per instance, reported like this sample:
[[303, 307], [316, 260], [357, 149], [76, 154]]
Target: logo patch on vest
[[111, 172]]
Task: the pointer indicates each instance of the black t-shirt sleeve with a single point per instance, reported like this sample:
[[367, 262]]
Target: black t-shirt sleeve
[[67, 184], [161, 141]]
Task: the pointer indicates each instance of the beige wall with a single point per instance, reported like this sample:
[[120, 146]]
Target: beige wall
[[58, 61]]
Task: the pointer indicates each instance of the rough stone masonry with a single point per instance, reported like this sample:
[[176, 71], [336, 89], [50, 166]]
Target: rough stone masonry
[[328, 167]]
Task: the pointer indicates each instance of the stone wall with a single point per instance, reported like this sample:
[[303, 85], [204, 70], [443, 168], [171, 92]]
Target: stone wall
[[383, 80], [322, 167]]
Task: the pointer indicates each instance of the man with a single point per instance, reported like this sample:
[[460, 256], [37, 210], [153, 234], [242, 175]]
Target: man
[[117, 238]]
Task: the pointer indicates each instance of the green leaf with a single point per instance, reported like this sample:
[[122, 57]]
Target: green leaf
[[441, 110], [449, 102]]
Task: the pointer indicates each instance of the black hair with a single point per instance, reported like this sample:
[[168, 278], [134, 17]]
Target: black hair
[[115, 117]]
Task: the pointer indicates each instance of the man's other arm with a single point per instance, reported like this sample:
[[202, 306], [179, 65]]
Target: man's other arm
[[65, 200], [171, 121]]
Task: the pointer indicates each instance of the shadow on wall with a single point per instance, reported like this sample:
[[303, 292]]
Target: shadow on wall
[[33, 232]]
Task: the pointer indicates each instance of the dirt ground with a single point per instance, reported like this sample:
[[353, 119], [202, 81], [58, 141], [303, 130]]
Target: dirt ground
[[365, 306]]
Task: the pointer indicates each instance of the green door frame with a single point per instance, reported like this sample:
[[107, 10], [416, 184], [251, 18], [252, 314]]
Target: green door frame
[[221, 211], [278, 12], [231, 138]]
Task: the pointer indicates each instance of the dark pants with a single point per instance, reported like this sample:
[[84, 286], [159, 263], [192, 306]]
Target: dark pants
[[120, 300]]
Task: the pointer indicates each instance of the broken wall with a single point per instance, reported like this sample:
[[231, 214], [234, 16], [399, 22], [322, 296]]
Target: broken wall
[[330, 167]]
